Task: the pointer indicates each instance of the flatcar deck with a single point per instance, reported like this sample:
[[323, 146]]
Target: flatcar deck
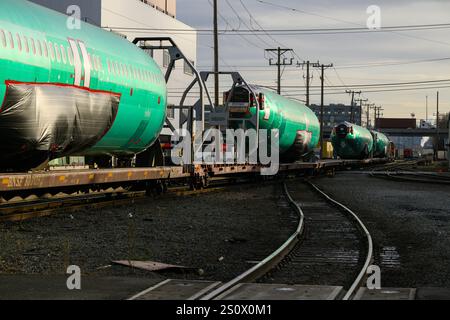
[[73, 178]]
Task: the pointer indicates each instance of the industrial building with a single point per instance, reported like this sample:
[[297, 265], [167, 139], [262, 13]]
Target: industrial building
[[334, 114]]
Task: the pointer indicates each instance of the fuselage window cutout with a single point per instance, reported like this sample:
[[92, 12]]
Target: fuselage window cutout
[[58, 53], [11, 39], [45, 47], [100, 63], [39, 47], [94, 61], [116, 69], [19, 42], [90, 60], [63, 54], [33, 45], [70, 55], [52, 51], [3, 37], [25, 41]]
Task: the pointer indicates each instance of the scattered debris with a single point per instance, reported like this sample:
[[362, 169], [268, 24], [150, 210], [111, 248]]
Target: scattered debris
[[236, 240], [220, 259], [104, 267], [148, 265]]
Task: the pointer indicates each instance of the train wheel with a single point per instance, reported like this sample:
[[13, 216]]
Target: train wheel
[[99, 162], [152, 157], [365, 153]]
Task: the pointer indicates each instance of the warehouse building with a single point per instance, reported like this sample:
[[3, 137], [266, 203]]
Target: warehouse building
[[334, 114]]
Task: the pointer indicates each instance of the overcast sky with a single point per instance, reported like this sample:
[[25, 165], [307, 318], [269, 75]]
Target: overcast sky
[[247, 55]]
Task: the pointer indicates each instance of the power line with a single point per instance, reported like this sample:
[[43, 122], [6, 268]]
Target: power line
[[271, 32], [377, 84], [376, 91], [263, 30], [245, 24], [356, 66], [353, 23]]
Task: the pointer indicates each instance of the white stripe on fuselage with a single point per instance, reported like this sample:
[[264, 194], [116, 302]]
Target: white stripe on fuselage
[[87, 64], [76, 62]]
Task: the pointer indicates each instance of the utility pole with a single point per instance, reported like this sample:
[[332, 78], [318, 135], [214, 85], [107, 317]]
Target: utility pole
[[426, 110], [322, 79], [216, 56], [361, 102], [377, 115], [280, 52], [308, 77], [437, 128], [352, 120]]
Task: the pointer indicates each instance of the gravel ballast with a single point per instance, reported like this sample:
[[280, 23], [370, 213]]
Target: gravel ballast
[[217, 234]]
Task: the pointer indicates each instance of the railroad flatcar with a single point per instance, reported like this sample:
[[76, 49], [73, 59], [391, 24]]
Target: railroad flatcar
[[299, 128], [80, 91], [381, 145], [351, 141]]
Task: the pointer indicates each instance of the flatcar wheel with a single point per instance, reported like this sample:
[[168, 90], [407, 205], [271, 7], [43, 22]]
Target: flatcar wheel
[[102, 162], [155, 188], [152, 157], [365, 152]]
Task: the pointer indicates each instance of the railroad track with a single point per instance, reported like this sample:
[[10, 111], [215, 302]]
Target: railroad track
[[330, 246], [27, 209], [402, 172], [335, 249]]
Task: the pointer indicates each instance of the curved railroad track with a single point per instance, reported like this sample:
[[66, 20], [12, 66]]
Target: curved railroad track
[[330, 245], [403, 172]]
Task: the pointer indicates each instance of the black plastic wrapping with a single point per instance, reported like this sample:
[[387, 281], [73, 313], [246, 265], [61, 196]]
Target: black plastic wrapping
[[40, 122]]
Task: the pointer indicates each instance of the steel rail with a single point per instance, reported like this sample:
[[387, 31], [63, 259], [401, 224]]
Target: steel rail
[[24, 211], [269, 262], [411, 176], [369, 256]]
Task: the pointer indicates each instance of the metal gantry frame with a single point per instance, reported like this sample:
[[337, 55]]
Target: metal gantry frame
[[203, 114], [195, 119], [221, 118]]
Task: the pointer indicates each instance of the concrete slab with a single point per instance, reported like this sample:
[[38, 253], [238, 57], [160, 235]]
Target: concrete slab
[[261, 291], [171, 289], [51, 287], [433, 293], [386, 294]]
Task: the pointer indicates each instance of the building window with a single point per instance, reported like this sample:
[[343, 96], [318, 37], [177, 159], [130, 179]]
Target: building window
[[166, 58], [187, 68]]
